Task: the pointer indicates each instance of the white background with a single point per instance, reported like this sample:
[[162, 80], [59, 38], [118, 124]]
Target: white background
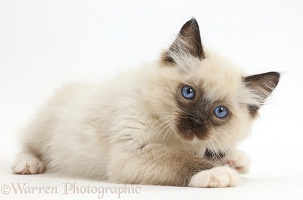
[[45, 43]]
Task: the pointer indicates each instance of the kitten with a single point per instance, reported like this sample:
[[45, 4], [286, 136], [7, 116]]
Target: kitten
[[173, 122]]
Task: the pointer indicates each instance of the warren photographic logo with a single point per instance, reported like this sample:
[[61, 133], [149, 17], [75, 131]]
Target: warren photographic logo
[[70, 189]]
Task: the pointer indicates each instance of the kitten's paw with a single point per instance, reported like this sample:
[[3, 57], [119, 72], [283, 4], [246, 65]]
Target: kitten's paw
[[28, 164], [217, 177], [239, 161]]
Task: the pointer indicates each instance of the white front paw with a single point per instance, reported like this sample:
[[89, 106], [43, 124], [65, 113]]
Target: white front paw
[[238, 160], [217, 177]]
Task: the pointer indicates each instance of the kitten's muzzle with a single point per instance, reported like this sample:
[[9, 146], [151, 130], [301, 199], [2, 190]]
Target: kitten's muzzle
[[196, 122], [190, 127]]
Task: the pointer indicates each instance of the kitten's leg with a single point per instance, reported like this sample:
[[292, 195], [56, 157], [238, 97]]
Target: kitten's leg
[[27, 163], [159, 165], [238, 160]]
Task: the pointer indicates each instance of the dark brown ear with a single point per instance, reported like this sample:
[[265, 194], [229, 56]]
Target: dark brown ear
[[262, 86], [188, 41]]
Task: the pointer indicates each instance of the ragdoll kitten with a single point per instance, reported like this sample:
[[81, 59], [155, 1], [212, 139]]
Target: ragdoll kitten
[[173, 122]]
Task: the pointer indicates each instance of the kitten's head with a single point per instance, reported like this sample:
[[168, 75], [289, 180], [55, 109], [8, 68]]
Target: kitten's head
[[200, 94]]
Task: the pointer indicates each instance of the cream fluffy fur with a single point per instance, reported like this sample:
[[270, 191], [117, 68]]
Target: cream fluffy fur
[[124, 130]]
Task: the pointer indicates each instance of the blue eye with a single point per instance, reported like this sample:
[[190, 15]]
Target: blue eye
[[188, 92], [220, 112]]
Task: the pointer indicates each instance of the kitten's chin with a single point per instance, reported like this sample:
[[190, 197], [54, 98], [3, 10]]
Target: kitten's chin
[[187, 134], [190, 134]]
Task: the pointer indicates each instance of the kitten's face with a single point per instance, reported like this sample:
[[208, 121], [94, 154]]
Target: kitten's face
[[202, 95]]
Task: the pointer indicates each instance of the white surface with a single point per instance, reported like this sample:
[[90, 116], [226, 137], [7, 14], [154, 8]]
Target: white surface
[[46, 43]]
